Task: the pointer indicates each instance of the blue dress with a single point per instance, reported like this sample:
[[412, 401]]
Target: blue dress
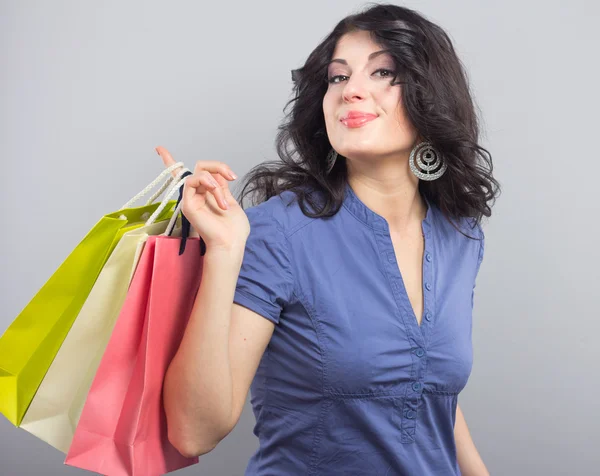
[[350, 383]]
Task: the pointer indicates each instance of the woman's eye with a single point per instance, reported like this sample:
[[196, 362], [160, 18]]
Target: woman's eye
[[383, 70], [385, 73], [332, 80]]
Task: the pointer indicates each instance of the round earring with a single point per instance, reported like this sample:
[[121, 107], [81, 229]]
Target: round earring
[[426, 162], [331, 158]]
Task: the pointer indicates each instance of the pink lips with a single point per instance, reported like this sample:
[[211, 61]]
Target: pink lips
[[357, 119]]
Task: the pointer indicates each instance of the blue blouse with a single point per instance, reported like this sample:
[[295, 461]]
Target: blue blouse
[[350, 383]]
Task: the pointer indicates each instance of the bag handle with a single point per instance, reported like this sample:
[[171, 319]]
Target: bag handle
[[167, 198], [181, 178], [173, 221], [151, 185], [177, 211]]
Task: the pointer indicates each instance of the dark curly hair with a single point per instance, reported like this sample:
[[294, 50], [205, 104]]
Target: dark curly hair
[[435, 96]]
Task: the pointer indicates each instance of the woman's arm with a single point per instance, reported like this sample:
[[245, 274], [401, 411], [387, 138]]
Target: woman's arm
[[469, 461], [207, 382]]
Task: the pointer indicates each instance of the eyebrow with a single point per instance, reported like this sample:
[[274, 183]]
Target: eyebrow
[[371, 56]]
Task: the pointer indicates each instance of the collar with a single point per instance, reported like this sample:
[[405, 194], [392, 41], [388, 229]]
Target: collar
[[372, 219]]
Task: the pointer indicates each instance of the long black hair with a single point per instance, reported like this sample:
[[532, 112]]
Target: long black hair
[[435, 96]]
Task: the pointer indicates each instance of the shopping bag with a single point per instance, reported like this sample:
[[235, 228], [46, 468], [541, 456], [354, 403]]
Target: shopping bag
[[123, 429], [29, 345], [56, 407]]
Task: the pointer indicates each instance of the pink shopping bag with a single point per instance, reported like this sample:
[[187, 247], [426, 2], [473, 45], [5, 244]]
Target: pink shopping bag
[[122, 429]]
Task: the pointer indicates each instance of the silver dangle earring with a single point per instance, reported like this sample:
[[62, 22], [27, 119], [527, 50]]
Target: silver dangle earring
[[331, 158], [426, 162]]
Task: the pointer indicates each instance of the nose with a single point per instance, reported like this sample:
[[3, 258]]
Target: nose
[[354, 90]]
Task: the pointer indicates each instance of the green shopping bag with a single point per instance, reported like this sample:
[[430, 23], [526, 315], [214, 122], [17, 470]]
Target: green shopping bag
[[29, 345]]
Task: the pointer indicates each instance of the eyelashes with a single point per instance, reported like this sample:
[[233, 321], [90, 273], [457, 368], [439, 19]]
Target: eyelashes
[[389, 74]]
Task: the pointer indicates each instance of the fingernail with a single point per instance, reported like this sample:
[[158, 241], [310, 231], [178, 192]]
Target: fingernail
[[156, 149], [233, 176]]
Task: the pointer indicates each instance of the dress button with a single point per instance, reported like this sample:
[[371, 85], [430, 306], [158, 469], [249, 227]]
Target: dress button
[[416, 386], [428, 257], [428, 316], [410, 414], [420, 352], [428, 286]]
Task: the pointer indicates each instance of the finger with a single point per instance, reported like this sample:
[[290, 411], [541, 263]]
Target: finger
[[201, 183], [219, 172], [216, 167], [194, 183], [223, 185], [219, 194], [191, 188], [211, 182], [167, 159]]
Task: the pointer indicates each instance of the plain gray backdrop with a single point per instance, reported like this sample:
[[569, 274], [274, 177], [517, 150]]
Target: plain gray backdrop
[[88, 89]]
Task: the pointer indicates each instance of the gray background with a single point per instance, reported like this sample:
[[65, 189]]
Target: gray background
[[87, 89]]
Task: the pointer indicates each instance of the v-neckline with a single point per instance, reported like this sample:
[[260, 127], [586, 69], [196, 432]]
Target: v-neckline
[[381, 227], [403, 284]]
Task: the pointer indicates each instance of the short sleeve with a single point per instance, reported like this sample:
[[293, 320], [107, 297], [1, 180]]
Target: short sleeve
[[480, 252], [265, 282], [481, 249]]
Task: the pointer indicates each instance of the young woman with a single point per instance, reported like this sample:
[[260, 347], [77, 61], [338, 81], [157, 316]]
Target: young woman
[[352, 280]]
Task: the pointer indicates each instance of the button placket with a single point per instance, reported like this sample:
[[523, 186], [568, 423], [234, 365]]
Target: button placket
[[427, 275], [408, 406], [428, 284], [413, 398], [391, 257], [409, 420], [414, 391]]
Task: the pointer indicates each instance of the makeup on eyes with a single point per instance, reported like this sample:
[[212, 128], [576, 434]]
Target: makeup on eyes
[[389, 73], [386, 71], [334, 70]]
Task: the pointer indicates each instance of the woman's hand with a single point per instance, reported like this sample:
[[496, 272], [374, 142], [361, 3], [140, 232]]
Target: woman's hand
[[209, 205]]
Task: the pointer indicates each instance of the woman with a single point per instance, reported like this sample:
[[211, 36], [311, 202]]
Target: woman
[[353, 278]]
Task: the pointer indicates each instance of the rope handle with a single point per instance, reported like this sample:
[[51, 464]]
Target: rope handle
[[177, 211], [165, 201], [150, 186], [173, 221]]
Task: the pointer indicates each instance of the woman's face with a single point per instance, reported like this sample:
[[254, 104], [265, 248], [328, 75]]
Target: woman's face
[[359, 81]]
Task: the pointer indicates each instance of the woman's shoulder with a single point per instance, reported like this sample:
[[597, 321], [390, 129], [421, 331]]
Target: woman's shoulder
[[454, 228], [283, 210], [465, 239]]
